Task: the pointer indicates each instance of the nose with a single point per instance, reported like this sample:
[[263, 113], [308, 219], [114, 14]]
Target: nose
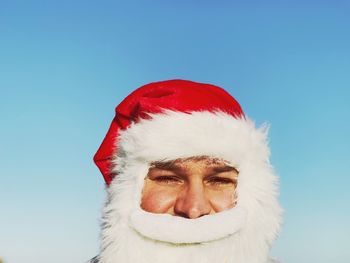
[[192, 202]]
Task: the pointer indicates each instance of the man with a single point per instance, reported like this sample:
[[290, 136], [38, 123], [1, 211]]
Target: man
[[188, 179]]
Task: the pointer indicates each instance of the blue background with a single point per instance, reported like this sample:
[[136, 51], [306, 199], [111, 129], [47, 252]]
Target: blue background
[[65, 65]]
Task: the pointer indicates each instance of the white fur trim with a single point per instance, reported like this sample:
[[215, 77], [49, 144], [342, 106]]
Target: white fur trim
[[179, 230], [174, 135]]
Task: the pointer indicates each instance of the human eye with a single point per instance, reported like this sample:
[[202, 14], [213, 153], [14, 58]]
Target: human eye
[[220, 181], [168, 179]]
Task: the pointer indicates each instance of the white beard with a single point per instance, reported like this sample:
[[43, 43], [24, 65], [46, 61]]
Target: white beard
[[132, 235], [134, 248], [131, 247]]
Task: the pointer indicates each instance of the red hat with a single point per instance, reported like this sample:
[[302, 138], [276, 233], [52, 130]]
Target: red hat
[[176, 95]]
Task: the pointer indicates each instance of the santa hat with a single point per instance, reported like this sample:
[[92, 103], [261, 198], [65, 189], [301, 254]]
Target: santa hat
[[157, 97], [176, 119]]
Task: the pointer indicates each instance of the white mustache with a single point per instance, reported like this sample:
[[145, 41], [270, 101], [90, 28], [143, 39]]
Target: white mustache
[[179, 230]]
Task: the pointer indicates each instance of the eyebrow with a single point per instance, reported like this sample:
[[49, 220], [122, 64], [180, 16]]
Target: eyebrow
[[172, 166], [169, 165], [224, 168]]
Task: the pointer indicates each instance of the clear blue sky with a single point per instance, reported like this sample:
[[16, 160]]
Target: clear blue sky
[[65, 65]]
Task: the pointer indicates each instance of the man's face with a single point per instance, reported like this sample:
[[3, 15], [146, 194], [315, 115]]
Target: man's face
[[190, 187]]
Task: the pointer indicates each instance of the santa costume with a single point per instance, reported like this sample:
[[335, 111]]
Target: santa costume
[[177, 119]]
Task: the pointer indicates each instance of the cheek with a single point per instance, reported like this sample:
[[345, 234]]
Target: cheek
[[222, 201], [158, 200]]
